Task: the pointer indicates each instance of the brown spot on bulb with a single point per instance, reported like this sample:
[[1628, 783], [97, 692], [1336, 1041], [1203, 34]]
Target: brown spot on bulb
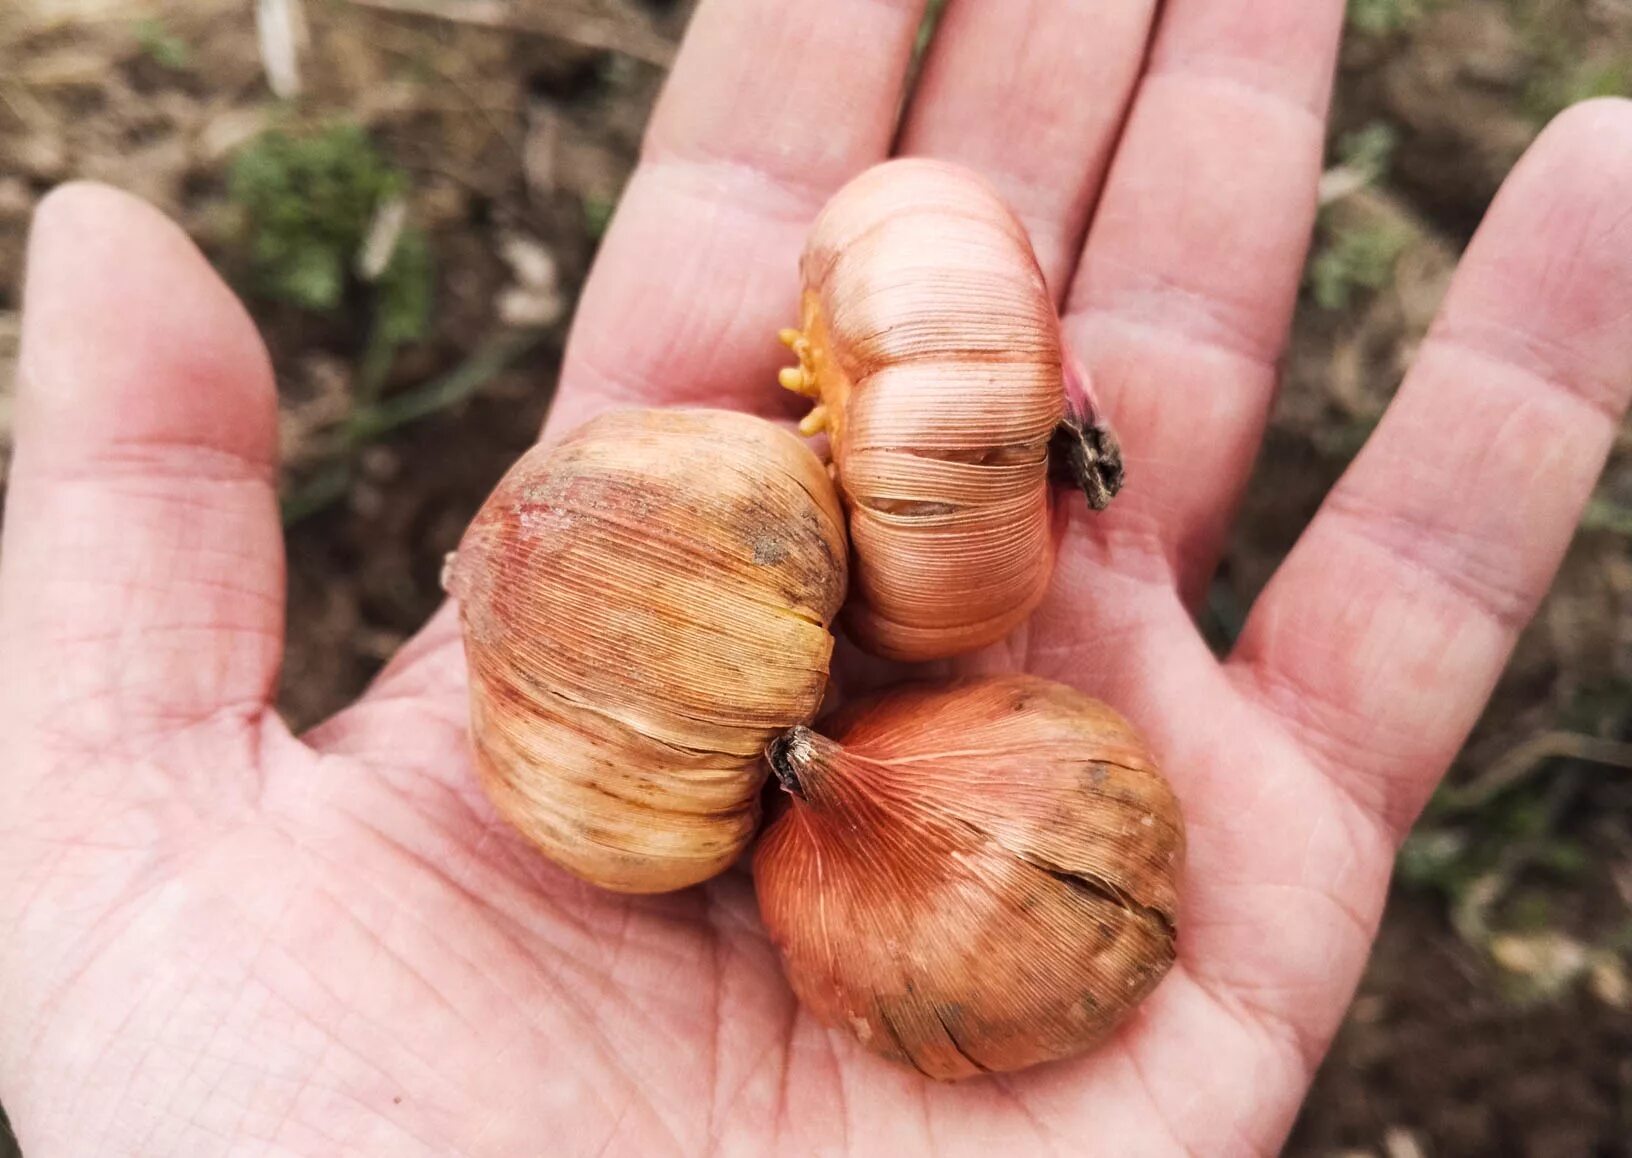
[[767, 551]]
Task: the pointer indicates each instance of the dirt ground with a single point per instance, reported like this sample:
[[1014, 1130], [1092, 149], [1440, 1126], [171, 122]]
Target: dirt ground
[[1496, 1018]]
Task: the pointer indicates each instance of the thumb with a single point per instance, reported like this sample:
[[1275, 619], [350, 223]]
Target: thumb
[[141, 591]]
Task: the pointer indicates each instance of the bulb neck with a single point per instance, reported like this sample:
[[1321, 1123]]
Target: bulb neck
[[1086, 457], [1084, 452], [788, 756], [802, 759]]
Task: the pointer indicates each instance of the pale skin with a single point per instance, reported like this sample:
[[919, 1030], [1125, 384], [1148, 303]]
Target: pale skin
[[218, 937]]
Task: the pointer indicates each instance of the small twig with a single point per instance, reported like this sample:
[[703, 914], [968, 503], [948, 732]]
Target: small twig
[[280, 27], [1340, 182], [1527, 758], [573, 27], [384, 232]]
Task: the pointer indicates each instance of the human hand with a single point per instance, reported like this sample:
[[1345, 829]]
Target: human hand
[[223, 938]]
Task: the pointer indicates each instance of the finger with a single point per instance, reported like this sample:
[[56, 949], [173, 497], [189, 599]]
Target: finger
[[1031, 93], [1380, 638], [1183, 302], [771, 107], [142, 586]]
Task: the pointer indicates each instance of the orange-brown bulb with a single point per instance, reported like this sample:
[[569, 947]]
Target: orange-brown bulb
[[972, 878], [645, 606], [930, 341]]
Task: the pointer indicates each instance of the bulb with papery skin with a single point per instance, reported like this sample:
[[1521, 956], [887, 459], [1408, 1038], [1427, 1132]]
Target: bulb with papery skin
[[972, 878], [645, 606], [930, 341]]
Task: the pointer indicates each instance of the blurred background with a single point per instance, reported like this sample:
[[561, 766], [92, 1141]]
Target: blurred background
[[409, 192]]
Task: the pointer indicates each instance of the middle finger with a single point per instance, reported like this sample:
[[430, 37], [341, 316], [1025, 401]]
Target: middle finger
[[1031, 94]]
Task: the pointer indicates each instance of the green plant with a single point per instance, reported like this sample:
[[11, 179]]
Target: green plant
[[308, 202], [598, 214], [1484, 845], [1560, 81], [926, 29], [1383, 17], [1369, 150], [1472, 857], [1354, 258], [375, 420], [1567, 63], [1604, 514], [162, 47], [1356, 252], [402, 307]]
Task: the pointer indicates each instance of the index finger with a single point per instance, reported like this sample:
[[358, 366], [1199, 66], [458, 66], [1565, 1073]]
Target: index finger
[[1032, 94], [771, 107]]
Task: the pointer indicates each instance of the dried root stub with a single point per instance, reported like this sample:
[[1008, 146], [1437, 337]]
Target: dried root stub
[[645, 606], [972, 878], [929, 341]]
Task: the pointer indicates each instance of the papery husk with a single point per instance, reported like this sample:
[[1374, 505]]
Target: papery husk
[[973, 878], [930, 339], [646, 605]]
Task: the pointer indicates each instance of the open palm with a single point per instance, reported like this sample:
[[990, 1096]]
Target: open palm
[[221, 938]]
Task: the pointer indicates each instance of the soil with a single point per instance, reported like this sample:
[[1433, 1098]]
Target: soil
[[1495, 1017]]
